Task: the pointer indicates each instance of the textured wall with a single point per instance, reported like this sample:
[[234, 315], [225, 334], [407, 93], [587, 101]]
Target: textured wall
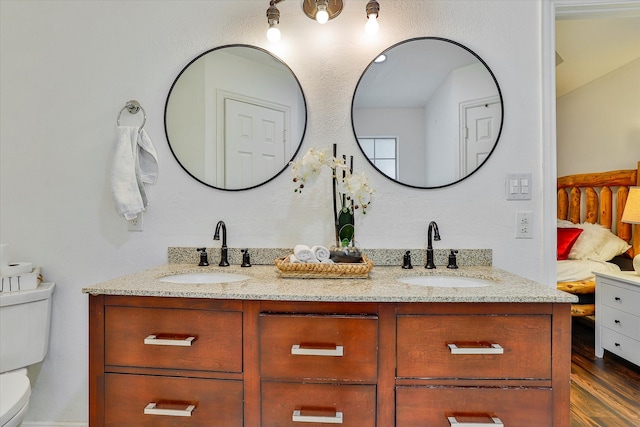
[[69, 66], [599, 123]]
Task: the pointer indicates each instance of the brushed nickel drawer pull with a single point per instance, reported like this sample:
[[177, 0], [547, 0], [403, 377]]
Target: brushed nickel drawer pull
[[308, 351], [180, 342], [297, 417], [151, 409], [494, 349], [455, 423]]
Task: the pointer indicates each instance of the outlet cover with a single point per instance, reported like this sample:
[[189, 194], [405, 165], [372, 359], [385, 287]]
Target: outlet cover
[[135, 224], [524, 225]]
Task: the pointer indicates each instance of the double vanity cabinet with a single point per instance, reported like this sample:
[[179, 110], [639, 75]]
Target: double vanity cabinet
[[364, 352]]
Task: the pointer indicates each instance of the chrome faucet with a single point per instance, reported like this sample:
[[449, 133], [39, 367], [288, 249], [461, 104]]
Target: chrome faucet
[[433, 228], [224, 262]]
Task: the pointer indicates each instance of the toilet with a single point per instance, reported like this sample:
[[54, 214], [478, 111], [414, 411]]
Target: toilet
[[25, 317]]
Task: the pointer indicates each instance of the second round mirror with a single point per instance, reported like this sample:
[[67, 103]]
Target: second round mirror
[[427, 112]]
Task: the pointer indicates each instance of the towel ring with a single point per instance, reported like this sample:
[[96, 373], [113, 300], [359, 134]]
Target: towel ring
[[133, 107]]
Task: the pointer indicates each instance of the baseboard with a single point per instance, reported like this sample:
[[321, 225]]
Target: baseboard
[[52, 424]]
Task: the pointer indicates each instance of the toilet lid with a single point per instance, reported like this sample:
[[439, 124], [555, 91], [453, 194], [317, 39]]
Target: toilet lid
[[15, 390]]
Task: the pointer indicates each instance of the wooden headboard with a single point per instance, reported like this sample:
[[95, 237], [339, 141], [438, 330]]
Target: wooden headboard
[[603, 191]]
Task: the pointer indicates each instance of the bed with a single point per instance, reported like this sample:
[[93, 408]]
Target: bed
[[591, 235]]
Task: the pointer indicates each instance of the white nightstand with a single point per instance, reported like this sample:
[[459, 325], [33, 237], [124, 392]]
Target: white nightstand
[[618, 315]]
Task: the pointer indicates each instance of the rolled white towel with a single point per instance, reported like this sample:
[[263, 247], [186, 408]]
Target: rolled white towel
[[294, 260], [320, 252], [303, 253], [327, 261]]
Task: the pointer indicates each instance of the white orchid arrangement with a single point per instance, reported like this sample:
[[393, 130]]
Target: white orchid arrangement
[[354, 189]]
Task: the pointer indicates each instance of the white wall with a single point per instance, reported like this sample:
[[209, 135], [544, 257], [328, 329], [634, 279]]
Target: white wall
[[68, 67], [599, 124]]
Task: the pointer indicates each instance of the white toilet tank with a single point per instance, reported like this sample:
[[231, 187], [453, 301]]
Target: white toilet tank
[[25, 317]]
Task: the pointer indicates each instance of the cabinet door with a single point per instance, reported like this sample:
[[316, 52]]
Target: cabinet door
[[173, 338], [194, 402], [298, 404], [434, 407], [486, 347], [327, 347]]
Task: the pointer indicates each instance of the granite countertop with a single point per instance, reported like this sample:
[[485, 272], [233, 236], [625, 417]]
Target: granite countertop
[[381, 286]]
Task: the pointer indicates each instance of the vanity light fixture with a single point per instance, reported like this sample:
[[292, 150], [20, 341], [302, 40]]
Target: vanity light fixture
[[631, 215], [321, 11], [372, 26], [322, 14], [273, 18]]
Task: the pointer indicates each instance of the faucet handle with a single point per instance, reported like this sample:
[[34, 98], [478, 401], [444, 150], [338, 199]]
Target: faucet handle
[[406, 261], [452, 259], [246, 259], [204, 260]]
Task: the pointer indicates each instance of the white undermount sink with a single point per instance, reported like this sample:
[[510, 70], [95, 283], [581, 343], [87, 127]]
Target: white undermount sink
[[204, 278], [446, 281]]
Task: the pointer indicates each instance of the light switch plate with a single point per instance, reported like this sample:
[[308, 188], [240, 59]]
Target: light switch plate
[[518, 186]]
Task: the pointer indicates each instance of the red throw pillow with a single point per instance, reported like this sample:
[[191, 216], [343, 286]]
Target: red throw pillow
[[566, 239]]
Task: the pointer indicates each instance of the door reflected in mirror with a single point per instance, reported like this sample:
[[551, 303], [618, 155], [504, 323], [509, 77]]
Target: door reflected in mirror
[[429, 115], [235, 117]]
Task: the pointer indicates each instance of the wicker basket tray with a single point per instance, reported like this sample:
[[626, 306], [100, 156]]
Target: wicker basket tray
[[339, 270]]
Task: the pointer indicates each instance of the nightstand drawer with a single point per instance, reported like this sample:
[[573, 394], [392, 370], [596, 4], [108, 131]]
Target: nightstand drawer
[[618, 297], [293, 404], [152, 401], [620, 321], [422, 406], [474, 347], [319, 347], [174, 338], [622, 345]]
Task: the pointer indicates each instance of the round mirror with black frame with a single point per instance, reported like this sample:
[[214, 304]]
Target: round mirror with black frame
[[235, 117], [427, 112]]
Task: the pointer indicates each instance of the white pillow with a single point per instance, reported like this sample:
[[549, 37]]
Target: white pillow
[[595, 242]]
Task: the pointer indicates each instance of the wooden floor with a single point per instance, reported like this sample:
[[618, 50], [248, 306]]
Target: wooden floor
[[604, 392]]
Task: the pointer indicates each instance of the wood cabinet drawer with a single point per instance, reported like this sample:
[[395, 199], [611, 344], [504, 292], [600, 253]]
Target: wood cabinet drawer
[[319, 347], [288, 404], [423, 347], [185, 339], [215, 402], [619, 298], [620, 321], [515, 407]]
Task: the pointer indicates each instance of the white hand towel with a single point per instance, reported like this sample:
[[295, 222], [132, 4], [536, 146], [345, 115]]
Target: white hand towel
[[146, 165], [147, 159], [320, 252], [327, 261], [134, 163], [303, 253]]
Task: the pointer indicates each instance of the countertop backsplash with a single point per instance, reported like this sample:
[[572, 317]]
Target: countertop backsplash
[[266, 256]]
